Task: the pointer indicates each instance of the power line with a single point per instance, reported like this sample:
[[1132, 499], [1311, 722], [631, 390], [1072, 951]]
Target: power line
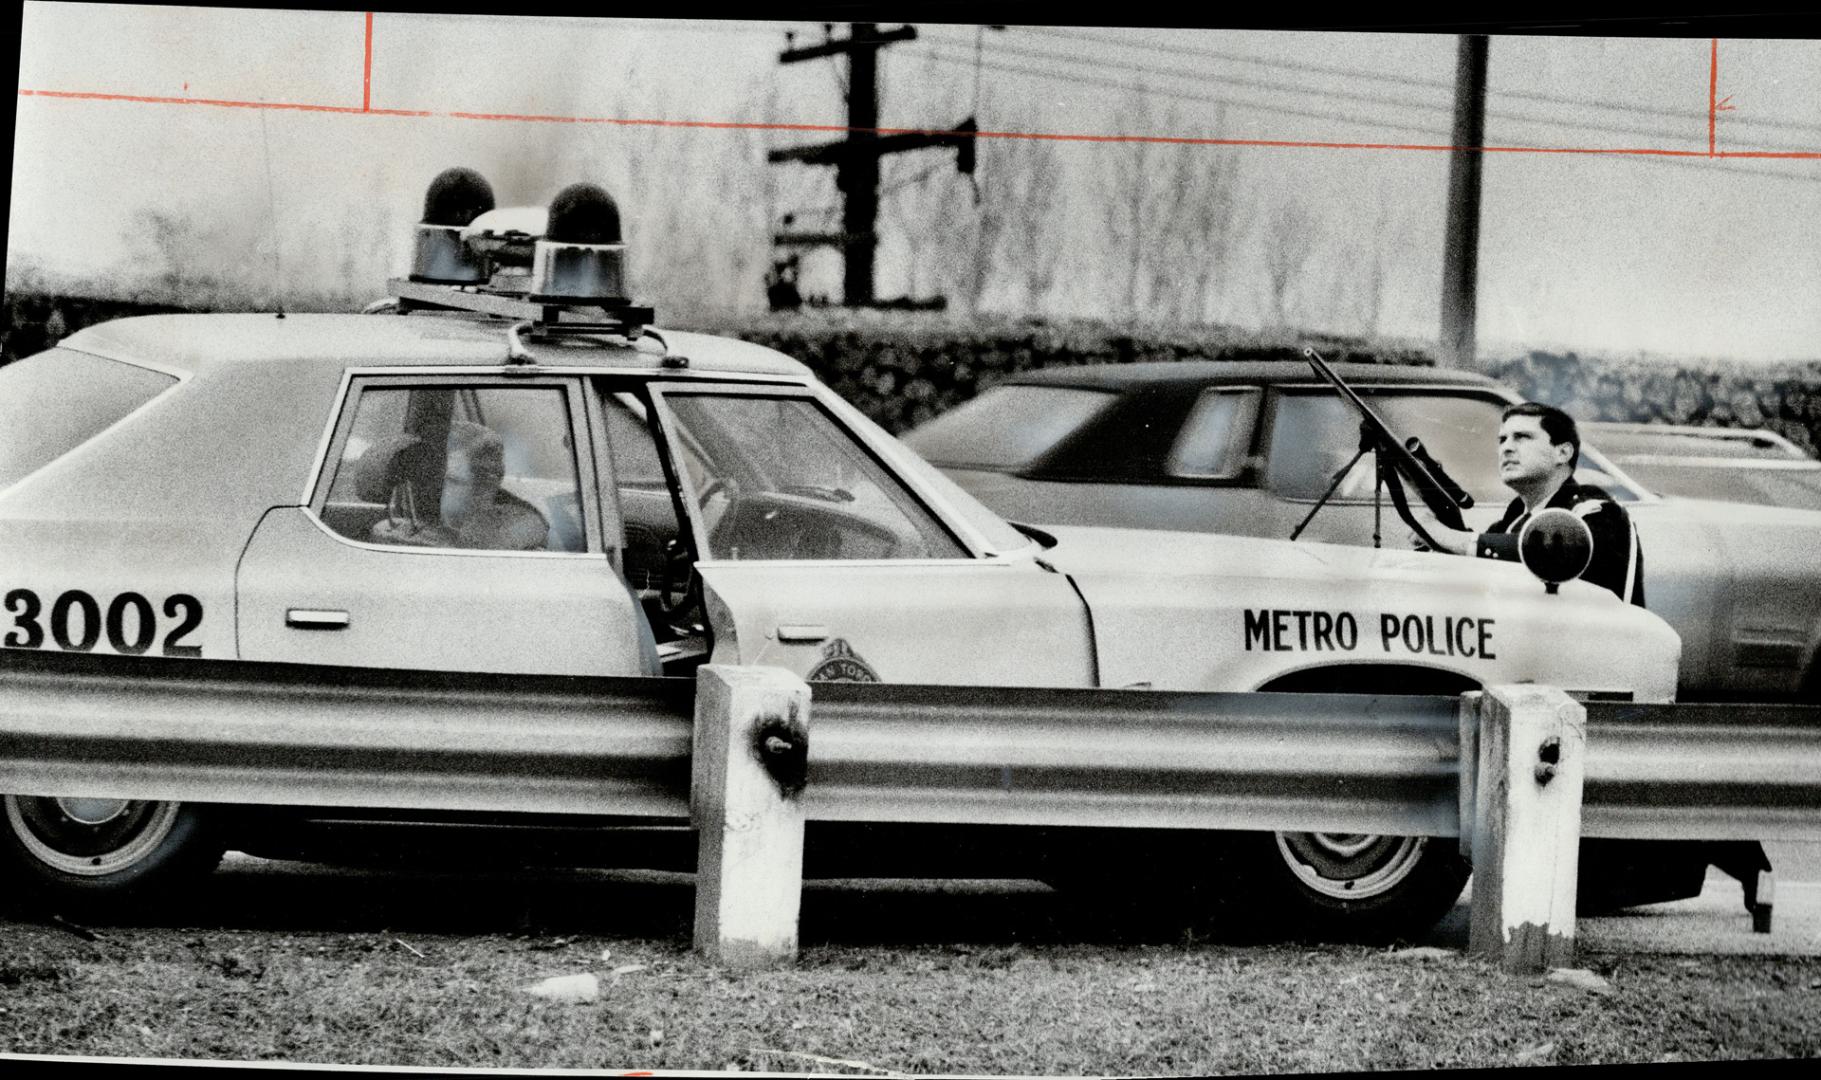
[[1708, 164], [1371, 98], [1406, 80]]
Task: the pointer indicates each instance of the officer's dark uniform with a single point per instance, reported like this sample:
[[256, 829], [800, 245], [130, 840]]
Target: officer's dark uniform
[[1618, 560], [1618, 564]]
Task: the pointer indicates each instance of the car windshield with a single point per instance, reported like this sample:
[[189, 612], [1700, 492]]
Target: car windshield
[[1315, 432], [55, 401], [778, 478], [1005, 427]]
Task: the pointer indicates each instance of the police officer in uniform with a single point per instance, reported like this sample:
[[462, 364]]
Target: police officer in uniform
[[1539, 449]]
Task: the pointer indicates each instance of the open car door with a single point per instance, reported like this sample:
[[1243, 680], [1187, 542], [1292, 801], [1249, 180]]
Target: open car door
[[820, 560]]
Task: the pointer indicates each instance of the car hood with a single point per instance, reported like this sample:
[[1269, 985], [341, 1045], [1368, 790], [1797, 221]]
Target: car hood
[[1088, 550], [1197, 610]]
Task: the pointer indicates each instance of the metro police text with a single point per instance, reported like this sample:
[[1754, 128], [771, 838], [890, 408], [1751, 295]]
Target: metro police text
[[1281, 630]]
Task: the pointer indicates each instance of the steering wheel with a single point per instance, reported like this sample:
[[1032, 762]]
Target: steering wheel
[[677, 596]]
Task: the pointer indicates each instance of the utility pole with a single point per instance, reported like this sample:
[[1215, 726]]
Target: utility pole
[[1460, 248], [856, 158]]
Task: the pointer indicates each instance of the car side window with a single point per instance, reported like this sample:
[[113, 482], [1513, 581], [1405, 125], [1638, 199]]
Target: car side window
[[485, 468], [1214, 439], [776, 478]]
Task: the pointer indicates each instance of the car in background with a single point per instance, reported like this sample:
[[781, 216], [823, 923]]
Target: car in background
[[1724, 464], [1247, 448]]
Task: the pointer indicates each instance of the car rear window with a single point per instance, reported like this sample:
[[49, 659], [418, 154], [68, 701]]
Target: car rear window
[[55, 401], [1006, 427]]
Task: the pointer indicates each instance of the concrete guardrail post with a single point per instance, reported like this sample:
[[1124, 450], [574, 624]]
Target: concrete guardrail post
[[1467, 719], [749, 764], [1527, 827]]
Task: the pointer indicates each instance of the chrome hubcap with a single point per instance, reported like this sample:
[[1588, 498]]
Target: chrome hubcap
[[89, 837], [1350, 866], [92, 811]]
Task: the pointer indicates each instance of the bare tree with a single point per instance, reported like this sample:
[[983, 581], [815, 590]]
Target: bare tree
[[181, 260], [1289, 242], [1201, 231], [1029, 197], [1013, 207], [1131, 204], [1372, 258]]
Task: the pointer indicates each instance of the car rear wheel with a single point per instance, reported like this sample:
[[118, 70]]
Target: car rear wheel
[[86, 853]]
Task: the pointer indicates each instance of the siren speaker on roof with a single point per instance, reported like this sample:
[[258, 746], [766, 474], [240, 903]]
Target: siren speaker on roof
[[581, 257], [456, 197]]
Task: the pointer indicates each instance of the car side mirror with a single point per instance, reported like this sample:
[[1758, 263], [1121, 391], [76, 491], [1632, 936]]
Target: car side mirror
[[1556, 546]]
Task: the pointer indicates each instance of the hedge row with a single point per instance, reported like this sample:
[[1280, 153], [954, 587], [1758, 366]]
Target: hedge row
[[901, 373], [902, 368], [35, 321], [1785, 398]]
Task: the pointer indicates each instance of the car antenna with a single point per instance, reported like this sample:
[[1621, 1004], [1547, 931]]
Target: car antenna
[[278, 270]]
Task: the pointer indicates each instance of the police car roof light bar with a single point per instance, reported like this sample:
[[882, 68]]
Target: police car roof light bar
[[559, 270], [456, 197]]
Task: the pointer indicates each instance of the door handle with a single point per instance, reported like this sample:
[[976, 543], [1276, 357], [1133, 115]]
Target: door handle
[[315, 619], [801, 633]]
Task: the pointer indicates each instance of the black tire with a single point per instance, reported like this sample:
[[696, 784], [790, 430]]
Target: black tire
[[99, 855], [1342, 887]]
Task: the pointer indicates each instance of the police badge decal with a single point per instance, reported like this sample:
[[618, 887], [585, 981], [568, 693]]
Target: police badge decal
[[840, 663]]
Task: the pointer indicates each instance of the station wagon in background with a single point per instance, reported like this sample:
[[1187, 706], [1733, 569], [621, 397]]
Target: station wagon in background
[[1724, 464], [504, 469], [1246, 449]]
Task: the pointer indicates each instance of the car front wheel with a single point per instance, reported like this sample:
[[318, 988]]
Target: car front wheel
[[86, 853], [1350, 886]]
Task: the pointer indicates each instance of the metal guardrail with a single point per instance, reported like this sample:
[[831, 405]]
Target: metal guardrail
[[1134, 758], [302, 735], [305, 735], [1697, 771]]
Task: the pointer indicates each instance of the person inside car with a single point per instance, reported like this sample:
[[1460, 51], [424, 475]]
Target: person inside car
[[479, 512]]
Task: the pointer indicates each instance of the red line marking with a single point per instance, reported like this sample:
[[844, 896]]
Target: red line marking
[[219, 103], [838, 129], [1713, 94], [366, 79]]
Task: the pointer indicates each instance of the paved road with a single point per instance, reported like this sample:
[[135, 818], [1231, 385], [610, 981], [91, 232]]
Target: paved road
[[1714, 923]]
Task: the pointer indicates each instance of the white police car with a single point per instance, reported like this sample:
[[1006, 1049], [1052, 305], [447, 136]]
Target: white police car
[[505, 469]]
